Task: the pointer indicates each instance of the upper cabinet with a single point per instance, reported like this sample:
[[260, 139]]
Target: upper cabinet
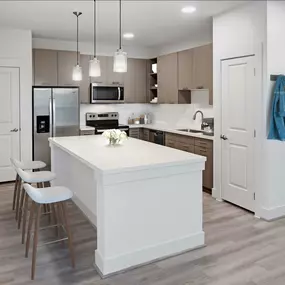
[[135, 81], [167, 69], [113, 78], [85, 82], [66, 62], [103, 65], [203, 67], [45, 67], [185, 70]]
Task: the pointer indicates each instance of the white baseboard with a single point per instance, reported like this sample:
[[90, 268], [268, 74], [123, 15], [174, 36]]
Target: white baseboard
[[272, 213], [150, 254], [216, 194]]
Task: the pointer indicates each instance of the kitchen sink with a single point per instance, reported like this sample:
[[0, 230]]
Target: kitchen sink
[[197, 132], [191, 131]]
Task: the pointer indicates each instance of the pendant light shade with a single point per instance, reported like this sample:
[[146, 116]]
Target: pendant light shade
[[77, 73], [94, 64], [94, 68], [120, 57], [77, 69], [120, 61]]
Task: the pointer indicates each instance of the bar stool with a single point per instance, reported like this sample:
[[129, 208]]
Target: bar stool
[[56, 197], [39, 177], [27, 165]]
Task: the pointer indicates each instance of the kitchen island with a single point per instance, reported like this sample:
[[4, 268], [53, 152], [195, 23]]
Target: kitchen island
[[145, 200]]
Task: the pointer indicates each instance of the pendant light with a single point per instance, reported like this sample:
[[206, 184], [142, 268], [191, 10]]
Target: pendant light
[[120, 57], [77, 69], [94, 64]]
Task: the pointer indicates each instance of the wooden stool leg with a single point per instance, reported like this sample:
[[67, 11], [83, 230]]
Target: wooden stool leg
[[20, 210], [36, 235], [15, 191], [54, 219], [19, 185], [68, 231], [30, 228], [26, 200]]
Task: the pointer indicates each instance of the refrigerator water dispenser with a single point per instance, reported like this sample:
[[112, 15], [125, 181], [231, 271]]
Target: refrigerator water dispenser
[[42, 124]]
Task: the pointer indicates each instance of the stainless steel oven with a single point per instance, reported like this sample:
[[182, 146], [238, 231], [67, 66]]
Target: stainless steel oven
[[106, 94]]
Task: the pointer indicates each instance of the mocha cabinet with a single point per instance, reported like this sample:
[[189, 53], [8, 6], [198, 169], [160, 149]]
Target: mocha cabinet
[[103, 66], [205, 148], [45, 67], [167, 79], [198, 146], [203, 68], [185, 70], [66, 62], [135, 133], [85, 82], [145, 135], [135, 81], [113, 78]]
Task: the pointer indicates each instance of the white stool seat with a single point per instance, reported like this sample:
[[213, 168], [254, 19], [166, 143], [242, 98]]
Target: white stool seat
[[36, 177], [49, 194], [28, 165]]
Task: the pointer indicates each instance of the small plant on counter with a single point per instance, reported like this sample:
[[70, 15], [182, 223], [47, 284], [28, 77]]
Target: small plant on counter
[[115, 136]]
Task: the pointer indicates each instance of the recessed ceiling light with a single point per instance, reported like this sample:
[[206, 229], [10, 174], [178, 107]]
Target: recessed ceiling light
[[128, 35], [188, 9]]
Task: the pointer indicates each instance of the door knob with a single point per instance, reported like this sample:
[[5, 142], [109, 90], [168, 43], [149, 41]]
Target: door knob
[[223, 137], [14, 130]]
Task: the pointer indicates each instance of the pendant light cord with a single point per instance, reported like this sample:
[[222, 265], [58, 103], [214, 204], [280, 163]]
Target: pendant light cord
[[95, 35], [77, 14], [120, 26], [77, 38]]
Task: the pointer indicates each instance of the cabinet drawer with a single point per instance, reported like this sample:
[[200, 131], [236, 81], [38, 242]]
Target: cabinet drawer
[[145, 134], [203, 143], [179, 138], [134, 133], [185, 147], [170, 143]]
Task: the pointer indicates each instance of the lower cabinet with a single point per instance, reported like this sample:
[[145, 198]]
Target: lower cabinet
[[135, 133], [198, 146]]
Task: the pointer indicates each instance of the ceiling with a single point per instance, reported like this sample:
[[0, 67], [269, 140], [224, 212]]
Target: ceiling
[[154, 23]]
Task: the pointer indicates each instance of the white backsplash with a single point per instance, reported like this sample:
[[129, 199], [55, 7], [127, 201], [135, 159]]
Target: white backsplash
[[170, 115]]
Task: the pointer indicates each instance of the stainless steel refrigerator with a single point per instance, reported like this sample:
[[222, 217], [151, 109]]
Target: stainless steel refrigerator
[[55, 114]]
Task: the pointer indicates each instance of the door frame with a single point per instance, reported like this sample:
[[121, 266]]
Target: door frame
[[9, 63], [260, 78]]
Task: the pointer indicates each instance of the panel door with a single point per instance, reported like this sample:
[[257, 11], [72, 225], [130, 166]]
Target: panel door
[[185, 70], [45, 67], [85, 82], [238, 83], [167, 79], [66, 62], [140, 80], [9, 121], [104, 71]]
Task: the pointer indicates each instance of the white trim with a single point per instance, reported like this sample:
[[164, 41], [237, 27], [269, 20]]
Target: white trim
[[272, 213], [115, 264]]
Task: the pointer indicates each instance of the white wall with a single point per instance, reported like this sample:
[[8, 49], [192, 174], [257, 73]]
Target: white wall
[[169, 115], [16, 50], [87, 48], [236, 33], [274, 151]]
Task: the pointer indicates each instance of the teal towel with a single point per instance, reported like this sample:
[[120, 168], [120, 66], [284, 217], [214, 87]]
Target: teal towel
[[277, 116]]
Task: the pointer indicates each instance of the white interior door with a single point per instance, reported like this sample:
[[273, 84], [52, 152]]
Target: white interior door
[[9, 121], [238, 87]]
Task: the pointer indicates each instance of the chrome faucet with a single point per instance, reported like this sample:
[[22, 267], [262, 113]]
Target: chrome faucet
[[194, 117]]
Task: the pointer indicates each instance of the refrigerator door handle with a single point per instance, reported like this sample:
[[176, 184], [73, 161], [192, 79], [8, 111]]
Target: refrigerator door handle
[[53, 118], [50, 118]]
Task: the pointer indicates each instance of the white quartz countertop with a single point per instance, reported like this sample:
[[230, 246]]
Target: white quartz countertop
[[133, 154], [173, 130]]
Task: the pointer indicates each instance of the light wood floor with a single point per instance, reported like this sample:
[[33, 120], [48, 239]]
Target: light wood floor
[[240, 250]]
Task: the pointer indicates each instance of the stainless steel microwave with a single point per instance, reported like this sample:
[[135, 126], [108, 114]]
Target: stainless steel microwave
[[106, 94]]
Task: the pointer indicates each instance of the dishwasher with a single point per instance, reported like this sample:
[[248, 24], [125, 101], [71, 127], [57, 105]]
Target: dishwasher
[[156, 137]]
